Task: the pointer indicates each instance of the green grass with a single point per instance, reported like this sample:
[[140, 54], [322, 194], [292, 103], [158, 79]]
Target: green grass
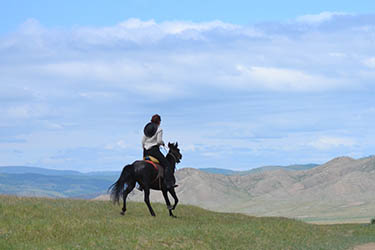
[[36, 223]]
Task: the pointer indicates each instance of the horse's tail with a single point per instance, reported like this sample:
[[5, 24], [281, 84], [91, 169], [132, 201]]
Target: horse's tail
[[116, 189]]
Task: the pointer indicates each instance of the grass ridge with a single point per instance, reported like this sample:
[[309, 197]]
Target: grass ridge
[[40, 223]]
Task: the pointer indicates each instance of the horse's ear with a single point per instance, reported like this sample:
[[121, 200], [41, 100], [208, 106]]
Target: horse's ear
[[169, 144], [176, 144]]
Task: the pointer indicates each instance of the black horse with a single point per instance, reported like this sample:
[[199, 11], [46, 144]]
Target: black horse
[[147, 176]]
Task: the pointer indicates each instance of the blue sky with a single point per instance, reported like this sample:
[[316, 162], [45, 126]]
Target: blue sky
[[98, 13], [238, 85]]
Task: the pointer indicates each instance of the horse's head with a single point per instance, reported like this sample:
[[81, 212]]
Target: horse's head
[[173, 149]]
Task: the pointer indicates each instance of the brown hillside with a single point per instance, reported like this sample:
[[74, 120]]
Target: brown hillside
[[341, 188]]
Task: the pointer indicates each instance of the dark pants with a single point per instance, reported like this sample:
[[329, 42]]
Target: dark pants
[[168, 171]]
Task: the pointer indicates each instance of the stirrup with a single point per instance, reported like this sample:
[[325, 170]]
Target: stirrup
[[173, 186]]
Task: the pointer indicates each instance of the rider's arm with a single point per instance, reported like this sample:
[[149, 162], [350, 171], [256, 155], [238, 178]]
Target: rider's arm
[[143, 141], [159, 138]]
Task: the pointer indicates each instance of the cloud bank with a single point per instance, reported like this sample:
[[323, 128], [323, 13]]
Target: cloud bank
[[292, 87]]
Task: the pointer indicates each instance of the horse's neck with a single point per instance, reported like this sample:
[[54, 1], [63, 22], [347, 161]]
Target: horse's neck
[[171, 160]]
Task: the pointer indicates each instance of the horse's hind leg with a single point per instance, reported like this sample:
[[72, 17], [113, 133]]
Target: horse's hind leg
[[147, 200], [174, 195], [165, 194], [128, 189]]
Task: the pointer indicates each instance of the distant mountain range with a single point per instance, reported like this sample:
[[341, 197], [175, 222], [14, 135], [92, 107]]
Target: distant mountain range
[[340, 190], [34, 181], [255, 170], [46, 171], [337, 190]]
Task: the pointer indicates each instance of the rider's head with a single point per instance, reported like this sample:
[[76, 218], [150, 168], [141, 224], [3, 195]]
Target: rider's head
[[156, 119]]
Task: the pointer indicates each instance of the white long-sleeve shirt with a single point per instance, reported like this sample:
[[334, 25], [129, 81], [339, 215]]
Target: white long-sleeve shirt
[[155, 140]]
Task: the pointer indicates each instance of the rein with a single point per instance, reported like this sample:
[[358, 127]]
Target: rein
[[169, 153], [174, 157]]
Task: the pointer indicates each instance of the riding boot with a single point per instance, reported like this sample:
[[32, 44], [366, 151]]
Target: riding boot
[[139, 187]]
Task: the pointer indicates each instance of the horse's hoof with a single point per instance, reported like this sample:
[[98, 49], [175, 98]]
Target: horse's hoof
[[173, 216], [122, 213]]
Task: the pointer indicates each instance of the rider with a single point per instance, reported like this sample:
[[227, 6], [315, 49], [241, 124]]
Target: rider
[[151, 142]]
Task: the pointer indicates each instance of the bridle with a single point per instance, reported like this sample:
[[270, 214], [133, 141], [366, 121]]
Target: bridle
[[170, 153], [174, 157]]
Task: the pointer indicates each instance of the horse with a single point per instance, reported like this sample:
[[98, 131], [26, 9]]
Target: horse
[[148, 178]]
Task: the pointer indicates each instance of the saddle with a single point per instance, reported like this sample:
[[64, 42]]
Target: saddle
[[155, 163], [151, 158]]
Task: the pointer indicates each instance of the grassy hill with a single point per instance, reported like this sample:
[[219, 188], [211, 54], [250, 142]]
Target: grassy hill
[[36, 223]]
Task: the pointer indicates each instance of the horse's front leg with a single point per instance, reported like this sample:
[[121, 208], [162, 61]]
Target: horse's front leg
[[128, 189], [165, 194], [174, 195], [147, 200]]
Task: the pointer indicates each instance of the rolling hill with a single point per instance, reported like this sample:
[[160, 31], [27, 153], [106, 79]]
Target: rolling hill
[[339, 190], [260, 169], [53, 186], [41, 182], [54, 172], [35, 170], [35, 223]]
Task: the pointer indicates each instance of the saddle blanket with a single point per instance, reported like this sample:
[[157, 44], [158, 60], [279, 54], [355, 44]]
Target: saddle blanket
[[158, 168]]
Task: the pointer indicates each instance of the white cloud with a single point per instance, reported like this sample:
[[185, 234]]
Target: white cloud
[[369, 62], [337, 54], [25, 111], [168, 58], [98, 70], [319, 18], [32, 27], [169, 27], [265, 81], [327, 142], [121, 144], [132, 75], [149, 32], [178, 27], [134, 23], [281, 79], [97, 94]]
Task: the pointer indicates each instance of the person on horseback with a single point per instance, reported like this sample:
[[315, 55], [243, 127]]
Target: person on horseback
[[151, 142]]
